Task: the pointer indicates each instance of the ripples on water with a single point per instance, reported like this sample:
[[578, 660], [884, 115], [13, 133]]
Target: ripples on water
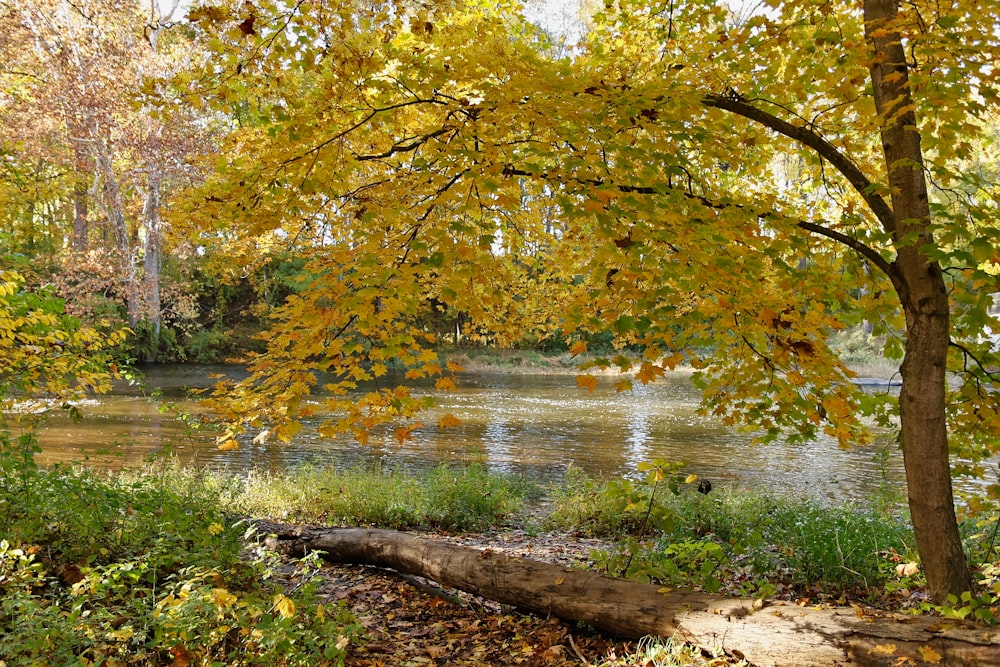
[[535, 425]]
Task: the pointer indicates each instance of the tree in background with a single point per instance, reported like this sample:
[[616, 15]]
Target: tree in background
[[72, 83], [404, 141]]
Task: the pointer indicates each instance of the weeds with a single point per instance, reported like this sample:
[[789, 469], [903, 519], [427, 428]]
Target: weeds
[[657, 652], [744, 542]]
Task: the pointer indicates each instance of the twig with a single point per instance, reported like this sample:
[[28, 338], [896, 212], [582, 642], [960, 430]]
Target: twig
[[572, 645]]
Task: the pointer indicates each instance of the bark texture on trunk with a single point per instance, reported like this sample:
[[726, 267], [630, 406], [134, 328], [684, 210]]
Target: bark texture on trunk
[[151, 223], [81, 226], [922, 293], [109, 197], [777, 634]]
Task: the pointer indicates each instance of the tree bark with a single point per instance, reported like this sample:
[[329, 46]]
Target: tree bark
[[151, 220], [923, 296], [109, 197], [81, 230], [778, 633]]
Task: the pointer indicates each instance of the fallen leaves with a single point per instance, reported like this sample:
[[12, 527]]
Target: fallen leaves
[[412, 623], [929, 654]]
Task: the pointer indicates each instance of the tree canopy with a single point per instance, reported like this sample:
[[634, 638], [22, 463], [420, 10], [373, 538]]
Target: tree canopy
[[715, 188], [704, 183]]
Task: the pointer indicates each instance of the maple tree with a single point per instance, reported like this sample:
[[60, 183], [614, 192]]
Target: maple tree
[[716, 189]]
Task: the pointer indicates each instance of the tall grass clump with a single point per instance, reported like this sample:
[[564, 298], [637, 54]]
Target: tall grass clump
[[797, 543], [142, 568], [465, 497], [742, 541]]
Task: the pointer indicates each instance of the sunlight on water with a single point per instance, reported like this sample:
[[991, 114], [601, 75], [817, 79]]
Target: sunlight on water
[[536, 425]]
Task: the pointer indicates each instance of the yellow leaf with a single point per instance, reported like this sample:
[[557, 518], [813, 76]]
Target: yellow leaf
[[690, 479], [222, 598], [649, 372], [448, 421], [445, 384], [454, 368], [284, 605], [228, 445], [623, 385], [215, 528], [579, 347], [884, 649], [588, 381], [837, 407], [929, 654], [560, 580]]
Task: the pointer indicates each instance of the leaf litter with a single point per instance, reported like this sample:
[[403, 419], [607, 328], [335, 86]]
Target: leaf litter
[[410, 621]]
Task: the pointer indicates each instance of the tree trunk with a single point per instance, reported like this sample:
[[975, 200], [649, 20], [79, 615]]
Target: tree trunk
[[110, 201], [152, 260], [81, 235], [778, 633], [920, 285]]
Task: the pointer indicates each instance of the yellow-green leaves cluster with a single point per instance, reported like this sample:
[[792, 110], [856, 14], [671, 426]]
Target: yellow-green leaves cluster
[[49, 359]]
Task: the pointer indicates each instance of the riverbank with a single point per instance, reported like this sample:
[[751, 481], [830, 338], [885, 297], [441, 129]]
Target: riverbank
[[868, 366], [161, 566]]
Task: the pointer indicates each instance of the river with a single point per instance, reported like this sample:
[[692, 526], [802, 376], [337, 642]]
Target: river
[[532, 424]]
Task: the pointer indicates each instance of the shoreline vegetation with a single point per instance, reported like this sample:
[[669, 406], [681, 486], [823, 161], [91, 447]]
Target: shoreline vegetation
[[864, 363], [161, 567]]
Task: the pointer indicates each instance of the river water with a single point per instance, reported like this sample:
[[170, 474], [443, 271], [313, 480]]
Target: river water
[[532, 424]]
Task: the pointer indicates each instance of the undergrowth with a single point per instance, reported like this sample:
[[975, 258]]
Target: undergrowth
[[751, 543], [143, 569], [152, 567]]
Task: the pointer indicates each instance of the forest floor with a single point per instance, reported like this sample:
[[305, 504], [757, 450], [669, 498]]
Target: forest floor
[[412, 622]]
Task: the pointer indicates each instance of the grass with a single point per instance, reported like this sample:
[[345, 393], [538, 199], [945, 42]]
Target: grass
[[669, 652], [144, 568], [740, 542], [511, 360], [458, 498]]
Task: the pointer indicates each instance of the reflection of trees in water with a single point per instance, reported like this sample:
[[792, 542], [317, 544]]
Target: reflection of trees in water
[[526, 425]]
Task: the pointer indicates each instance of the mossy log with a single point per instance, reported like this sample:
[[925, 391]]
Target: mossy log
[[777, 633]]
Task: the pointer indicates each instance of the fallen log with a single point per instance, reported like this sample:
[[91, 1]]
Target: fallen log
[[779, 633]]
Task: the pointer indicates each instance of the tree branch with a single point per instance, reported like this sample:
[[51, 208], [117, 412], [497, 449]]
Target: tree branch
[[862, 249], [823, 148]]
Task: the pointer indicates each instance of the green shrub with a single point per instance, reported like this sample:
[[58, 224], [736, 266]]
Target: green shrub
[[747, 541]]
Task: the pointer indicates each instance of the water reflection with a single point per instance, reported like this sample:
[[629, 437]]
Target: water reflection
[[536, 425]]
